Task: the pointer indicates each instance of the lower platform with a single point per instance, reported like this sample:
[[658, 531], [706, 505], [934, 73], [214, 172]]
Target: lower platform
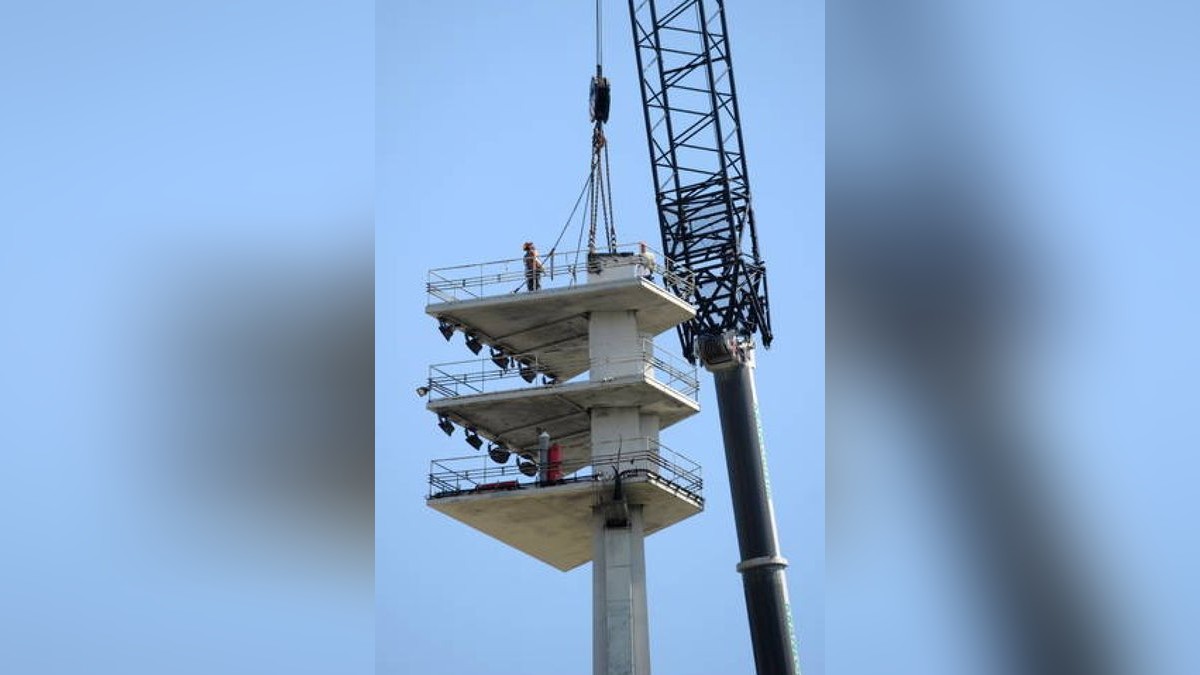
[[552, 520]]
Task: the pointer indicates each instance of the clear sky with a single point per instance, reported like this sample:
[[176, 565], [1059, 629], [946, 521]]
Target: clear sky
[[188, 192], [483, 143], [162, 164], [1069, 129]]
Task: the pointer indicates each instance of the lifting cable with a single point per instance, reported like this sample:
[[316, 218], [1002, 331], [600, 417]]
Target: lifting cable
[[600, 195], [550, 255], [583, 191], [599, 33], [597, 188]]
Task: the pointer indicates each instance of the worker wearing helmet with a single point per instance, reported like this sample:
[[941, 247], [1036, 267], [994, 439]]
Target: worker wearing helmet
[[533, 267], [648, 259]]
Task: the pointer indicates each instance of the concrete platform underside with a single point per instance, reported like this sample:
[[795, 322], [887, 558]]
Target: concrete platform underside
[[513, 417], [554, 524], [553, 323]]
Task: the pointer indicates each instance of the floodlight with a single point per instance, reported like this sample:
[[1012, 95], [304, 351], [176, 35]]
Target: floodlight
[[446, 328], [527, 371], [445, 424], [499, 454], [473, 343], [500, 358], [473, 438]]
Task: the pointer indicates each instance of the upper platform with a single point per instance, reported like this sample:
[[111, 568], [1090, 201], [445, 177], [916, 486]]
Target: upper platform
[[493, 302]]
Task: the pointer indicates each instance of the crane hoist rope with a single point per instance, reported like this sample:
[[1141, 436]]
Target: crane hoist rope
[[599, 98], [595, 184], [598, 187], [599, 33], [601, 193]]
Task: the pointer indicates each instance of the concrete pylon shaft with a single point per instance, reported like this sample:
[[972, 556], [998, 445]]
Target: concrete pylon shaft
[[620, 616], [620, 626]]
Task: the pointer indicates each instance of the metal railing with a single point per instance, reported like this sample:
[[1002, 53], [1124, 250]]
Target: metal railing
[[482, 376], [560, 269], [655, 462], [672, 371]]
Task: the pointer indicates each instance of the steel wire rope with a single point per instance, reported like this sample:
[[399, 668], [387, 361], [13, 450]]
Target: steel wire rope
[[575, 208], [599, 33], [567, 224], [610, 220], [579, 240]]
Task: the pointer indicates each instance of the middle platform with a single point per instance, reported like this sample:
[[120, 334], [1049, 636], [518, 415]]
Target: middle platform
[[466, 393]]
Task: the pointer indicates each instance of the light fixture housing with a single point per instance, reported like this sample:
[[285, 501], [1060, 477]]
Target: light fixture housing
[[422, 391], [528, 373], [473, 438], [500, 358], [473, 343], [499, 454], [446, 328], [445, 424]]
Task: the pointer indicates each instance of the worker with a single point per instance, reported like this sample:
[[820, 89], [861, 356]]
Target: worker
[[647, 259], [533, 267]]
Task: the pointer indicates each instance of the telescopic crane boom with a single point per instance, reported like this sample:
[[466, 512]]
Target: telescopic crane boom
[[703, 195]]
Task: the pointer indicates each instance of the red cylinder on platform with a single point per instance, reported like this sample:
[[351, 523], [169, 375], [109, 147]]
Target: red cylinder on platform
[[554, 459]]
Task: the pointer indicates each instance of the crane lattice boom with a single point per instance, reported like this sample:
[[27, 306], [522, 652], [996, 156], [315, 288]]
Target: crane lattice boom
[[696, 155]]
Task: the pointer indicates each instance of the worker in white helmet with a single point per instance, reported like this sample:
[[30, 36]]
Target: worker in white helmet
[[648, 259]]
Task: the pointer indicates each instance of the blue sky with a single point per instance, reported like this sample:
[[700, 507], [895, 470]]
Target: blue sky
[[179, 172], [483, 143], [162, 161]]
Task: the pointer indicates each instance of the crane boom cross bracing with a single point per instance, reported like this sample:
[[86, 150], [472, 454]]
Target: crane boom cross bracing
[[702, 192], [701, 184]]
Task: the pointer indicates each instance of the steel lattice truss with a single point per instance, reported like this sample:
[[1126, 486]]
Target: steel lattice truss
[[696, 154]]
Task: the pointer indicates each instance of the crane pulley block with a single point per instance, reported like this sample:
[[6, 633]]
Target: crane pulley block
[[598, 99], [725, 350]]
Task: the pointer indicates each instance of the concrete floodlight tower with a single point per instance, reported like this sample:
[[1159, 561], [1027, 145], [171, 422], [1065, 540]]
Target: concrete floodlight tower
[[571, 402]]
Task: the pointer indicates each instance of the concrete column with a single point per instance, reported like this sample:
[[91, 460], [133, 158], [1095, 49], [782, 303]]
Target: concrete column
[[616, 430], [648, 428], [646, 345], [614, 344], [647, 441], [620, 621], [620, 617], [607, 267]]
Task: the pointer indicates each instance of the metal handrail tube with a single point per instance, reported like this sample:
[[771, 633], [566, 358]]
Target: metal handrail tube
[[660, 463], [471, 279], [449, 379], [676, 370]]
